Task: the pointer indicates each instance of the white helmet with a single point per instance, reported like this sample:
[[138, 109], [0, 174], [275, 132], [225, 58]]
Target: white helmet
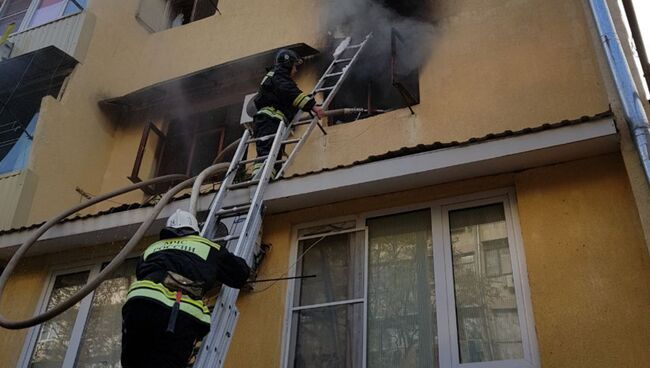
[[183, 219]]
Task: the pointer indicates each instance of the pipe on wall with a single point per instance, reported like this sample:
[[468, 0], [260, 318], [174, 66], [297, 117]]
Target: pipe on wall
[[629, 97]]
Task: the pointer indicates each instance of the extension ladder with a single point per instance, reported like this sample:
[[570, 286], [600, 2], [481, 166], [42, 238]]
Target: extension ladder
[[246, 216]]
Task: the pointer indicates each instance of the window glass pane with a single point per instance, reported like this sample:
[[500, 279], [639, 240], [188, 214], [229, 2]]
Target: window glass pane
[[486, 308], [329, 337], [47, 11], [13, 18], [52, 342], [72, 8], [102, 337], [337, 262], [14, 152], [15, 6], [401, 297]]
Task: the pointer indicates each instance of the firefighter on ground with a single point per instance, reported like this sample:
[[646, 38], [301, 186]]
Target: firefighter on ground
[[279, 99], [164, 315]]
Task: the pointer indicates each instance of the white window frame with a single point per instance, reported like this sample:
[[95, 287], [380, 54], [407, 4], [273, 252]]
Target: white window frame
[[31, 10], [443, 276], [94, 268]]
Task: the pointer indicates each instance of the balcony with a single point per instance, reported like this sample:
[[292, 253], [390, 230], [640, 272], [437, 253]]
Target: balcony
[[70, 34]]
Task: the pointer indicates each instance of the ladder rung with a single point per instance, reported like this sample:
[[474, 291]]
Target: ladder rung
[[244, 184], [354, 46], [226, 238], [342, 61], [333, 74], [324, 89], [291, 141], [253, 140], [236, 205], [256, 159], [233, 211], [302, 122]]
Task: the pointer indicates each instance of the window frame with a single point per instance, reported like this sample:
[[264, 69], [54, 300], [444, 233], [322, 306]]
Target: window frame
[[445, 307], [31, 10], [159, 152], [74, 343], [137, 164]]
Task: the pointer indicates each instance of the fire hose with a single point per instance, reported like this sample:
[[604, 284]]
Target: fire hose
[[122, 255], [135, 239]]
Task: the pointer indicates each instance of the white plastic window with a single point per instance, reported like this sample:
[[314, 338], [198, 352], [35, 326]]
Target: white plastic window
[[32, 13], [87, 335], [445, 286]]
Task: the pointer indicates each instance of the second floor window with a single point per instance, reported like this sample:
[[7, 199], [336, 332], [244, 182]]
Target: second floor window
[[185, 145]]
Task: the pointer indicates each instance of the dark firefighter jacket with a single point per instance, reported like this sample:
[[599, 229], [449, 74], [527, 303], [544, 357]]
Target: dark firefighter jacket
[[193, 257], [279, 97]]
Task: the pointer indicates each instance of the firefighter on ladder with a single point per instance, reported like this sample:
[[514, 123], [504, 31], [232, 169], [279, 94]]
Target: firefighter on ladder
[[279, 99], [164, 315]]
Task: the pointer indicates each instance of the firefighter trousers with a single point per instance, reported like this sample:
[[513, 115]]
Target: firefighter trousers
[[146, 342]]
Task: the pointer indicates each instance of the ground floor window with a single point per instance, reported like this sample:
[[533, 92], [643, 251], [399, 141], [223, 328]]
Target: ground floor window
[[88, 334], [439, 285]]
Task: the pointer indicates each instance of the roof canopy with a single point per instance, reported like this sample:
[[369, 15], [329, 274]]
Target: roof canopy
[[223, 84], [24, 81]]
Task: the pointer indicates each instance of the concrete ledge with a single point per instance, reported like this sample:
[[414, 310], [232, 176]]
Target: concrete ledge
[[397, 174]]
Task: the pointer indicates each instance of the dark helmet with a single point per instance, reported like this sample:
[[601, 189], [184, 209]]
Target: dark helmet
[[287, 57]]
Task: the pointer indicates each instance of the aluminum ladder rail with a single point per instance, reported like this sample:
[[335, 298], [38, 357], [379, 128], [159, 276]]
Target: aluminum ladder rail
[[336, 73], [225, 314]]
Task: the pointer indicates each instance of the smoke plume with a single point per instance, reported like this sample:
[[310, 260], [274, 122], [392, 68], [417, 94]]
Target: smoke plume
[[411, 19]]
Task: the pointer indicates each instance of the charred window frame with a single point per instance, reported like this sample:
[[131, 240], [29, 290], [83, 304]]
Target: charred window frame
[[169, 155], [144, 140], [407, 84]]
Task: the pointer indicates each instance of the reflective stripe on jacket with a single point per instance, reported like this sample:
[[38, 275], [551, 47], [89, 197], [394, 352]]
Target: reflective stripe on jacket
[[274, 113], [193, 244], [279, 92], [155, 291]]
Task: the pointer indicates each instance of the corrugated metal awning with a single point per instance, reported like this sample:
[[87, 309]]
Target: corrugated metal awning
[[223, 83], [24, 81]]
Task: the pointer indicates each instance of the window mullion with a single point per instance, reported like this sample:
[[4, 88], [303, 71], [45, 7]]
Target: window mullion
[[65, 6], [520, 280], [444, 288], [80, 323], [27, 19]]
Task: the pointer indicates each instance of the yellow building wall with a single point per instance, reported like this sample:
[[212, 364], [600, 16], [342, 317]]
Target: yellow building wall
[[588, 280], [493, 66], [588, 267]]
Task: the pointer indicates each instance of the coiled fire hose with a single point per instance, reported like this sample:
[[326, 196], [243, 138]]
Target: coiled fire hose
[[122, 255]]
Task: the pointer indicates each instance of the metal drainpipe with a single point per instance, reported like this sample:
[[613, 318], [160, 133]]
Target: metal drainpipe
[[635, 116]]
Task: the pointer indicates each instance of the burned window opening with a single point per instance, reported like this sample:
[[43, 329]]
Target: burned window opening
[[187, 145], [378, 81], [419, 9], [187, 11], [158, 15]]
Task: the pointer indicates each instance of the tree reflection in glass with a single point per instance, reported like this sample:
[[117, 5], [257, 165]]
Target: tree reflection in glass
[[102, 337], [401, 293], [486, 308], [54, 335]]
